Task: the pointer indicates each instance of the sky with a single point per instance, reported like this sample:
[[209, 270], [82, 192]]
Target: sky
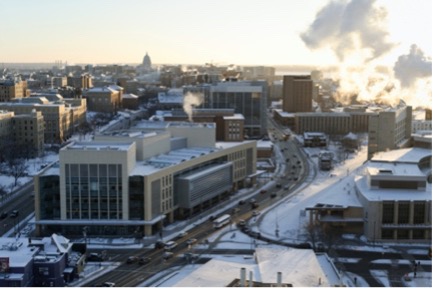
[[243, 32]]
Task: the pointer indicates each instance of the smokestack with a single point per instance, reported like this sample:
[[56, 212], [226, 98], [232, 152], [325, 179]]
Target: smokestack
[[250, 282], [242, 282], [279, 279]]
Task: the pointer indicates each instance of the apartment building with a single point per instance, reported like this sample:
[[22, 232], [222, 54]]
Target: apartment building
[[80, 82], [134, 182], [13, 88], [28, 131], [61, 116]]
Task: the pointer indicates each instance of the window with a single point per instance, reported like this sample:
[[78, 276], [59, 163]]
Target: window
[[419, 213], [388, 213], [403, 213]]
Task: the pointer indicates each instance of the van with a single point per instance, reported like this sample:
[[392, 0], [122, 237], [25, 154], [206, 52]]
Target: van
[[170, 245]]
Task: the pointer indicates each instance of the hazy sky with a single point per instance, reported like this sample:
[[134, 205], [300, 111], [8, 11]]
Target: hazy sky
[[243, 32]]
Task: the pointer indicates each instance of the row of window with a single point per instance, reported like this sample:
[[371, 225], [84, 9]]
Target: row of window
[[403, 216]]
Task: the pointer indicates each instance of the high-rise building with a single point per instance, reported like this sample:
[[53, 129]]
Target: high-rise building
[[297, 93], [389, 130], [248, 98]]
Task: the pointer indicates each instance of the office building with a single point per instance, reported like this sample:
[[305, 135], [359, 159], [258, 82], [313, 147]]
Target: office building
[[297, 93], [391, 201], [248, 98], [134, 182], [389, 130]]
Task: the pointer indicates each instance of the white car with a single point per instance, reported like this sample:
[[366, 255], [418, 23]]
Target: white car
[[108, 284], [170, 245]]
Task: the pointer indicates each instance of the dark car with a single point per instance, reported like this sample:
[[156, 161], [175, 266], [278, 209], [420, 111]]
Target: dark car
[[241, 202], [159, 245], [3, 215], [143, 261], [94, 257]]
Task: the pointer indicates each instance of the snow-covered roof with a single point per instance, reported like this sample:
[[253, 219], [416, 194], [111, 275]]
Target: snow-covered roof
[[409, 155], [100, 90], [17, 250], [391, 194], [130, 96], [292, 263], [234, 117]]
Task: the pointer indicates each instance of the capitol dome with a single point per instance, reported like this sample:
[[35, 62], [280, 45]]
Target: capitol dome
[[146, 62]]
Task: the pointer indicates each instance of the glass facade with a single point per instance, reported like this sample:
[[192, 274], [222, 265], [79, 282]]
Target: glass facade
[[93, 191]]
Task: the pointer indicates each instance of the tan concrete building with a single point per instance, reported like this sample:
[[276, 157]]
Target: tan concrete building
[[389, 130], [12, 89], [28, 130], [60, 116], [103, 99], [80, 82], [396, 197], [5, 123], [134, 182], [391, 201], [297, 93]]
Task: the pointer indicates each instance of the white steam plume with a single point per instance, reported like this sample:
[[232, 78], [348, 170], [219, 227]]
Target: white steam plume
[[191, 100], [413, 66], [347, 26], [355, 31]]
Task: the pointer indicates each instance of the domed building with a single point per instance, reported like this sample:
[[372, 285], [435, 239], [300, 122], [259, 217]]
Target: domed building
[[145, 67], [146, 62]]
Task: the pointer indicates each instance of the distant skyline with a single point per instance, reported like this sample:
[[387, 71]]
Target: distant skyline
[[243, 32]]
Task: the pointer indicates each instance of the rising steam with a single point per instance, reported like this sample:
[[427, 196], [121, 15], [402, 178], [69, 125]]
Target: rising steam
[[346, 27], [409, 68], [191, 100], [355, 31]]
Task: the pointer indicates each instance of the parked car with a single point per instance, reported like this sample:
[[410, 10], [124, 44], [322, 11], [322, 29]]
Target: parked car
[[255, 213], [3, 215], [263, 191], [241, 202], [14, 213], [272, 195], [108, 284]]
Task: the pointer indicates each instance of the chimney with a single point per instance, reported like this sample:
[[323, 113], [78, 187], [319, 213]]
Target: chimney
[[250, 282], [279, 279], [242, 282]]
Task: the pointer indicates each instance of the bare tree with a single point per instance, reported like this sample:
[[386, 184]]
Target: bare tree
[[313, 233], [15, 163]]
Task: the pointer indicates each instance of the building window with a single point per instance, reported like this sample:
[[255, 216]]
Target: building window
[[402, 234], [403, 212], [418, 234], [419, 213], [387, 234], [388, 213]]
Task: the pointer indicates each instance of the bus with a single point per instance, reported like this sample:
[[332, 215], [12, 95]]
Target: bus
[[221, 221]]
